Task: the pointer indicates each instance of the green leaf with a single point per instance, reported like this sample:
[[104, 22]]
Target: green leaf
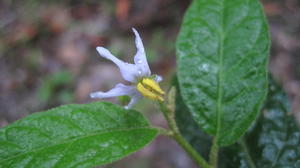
[[74, 136], [222, 52], [188, 127], [272, 142]]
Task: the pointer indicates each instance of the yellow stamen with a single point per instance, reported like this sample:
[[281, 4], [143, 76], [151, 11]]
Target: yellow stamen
[[152, 84], [150, 89]]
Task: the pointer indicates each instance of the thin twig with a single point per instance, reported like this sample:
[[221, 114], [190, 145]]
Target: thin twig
[[169, 115]]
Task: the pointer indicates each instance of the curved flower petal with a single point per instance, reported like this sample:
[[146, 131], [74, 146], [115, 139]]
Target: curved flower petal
[[134, 99], [158, 78], [140, 59], [130, 72], [119, 90]]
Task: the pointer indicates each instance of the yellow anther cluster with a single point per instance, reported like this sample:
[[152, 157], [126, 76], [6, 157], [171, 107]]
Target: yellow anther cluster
[[150, 89]]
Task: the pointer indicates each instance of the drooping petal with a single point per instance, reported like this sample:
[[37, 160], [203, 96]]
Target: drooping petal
[[119, 90], [140, 57], [130, 72], [158, 78], [134, 99]]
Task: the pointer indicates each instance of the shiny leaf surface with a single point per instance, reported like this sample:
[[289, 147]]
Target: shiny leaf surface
[[188, 127], [272, 142], [74, 136], [222, 52]]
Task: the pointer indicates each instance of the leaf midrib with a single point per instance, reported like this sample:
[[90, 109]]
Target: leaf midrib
[[67, 141], [220, 73]]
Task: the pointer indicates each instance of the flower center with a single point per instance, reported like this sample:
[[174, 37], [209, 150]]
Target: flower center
[[150, 89]]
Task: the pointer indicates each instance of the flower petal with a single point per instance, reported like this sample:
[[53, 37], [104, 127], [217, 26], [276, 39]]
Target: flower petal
[[134, 99], [158, 78], [130, 72], [140, 57], [119, 90]]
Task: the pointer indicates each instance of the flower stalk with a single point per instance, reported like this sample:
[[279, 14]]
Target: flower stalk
[[213, 155], [169, 114]]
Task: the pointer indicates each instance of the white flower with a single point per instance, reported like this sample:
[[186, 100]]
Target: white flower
[[139, 74]]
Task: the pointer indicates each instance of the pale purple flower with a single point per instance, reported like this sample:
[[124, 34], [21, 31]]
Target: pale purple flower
[[133, 73]]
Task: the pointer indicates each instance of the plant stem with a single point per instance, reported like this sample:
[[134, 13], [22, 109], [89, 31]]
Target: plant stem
[[191, 151], [213, 155], [170, 117], [163, 131], [245, 149]]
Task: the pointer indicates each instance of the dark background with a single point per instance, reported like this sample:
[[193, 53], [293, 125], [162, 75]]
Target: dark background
[[48, 57]]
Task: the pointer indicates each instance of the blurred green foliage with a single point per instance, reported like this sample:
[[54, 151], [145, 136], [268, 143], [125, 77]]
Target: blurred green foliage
[[56, 86]]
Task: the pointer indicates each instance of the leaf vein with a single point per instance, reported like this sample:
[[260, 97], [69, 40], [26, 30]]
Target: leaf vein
[[65, 141]]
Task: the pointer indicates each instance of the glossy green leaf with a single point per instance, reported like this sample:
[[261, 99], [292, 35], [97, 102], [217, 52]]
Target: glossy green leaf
[[222, 52], [74, 136], [272, 142], [188, 127]]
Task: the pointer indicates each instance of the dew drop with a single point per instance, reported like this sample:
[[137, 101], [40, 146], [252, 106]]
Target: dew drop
[[205, 67], [104, 145], [208, 68], [125, 147]]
